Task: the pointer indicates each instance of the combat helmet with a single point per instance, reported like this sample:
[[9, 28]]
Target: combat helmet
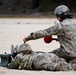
[[25, 48], [61, 9], [63, 12]]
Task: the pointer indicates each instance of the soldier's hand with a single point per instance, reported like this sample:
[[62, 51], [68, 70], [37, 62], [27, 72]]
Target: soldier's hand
[[25, 40]]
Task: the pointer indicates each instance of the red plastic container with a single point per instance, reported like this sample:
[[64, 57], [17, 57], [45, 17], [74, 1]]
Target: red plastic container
[[48, 39]]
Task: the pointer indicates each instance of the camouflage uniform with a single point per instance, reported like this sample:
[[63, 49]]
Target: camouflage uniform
[[66, 33], [38, 61]]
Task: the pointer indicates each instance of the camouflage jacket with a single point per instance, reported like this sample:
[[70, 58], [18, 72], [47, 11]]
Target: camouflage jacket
[[66, 33]]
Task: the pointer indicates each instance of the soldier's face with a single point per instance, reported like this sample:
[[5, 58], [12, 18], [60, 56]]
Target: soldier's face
[[59, 19]]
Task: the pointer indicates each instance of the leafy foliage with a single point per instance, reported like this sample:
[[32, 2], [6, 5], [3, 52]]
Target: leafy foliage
[[25, 6]]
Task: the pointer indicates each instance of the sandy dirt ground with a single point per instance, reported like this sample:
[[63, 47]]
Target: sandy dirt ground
[[13, 30]]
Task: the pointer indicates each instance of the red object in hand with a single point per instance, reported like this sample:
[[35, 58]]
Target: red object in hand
[[48, 39]]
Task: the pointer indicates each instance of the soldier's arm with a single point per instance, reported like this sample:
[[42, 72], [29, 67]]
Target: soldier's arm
[[14, 63], [43, 33]]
